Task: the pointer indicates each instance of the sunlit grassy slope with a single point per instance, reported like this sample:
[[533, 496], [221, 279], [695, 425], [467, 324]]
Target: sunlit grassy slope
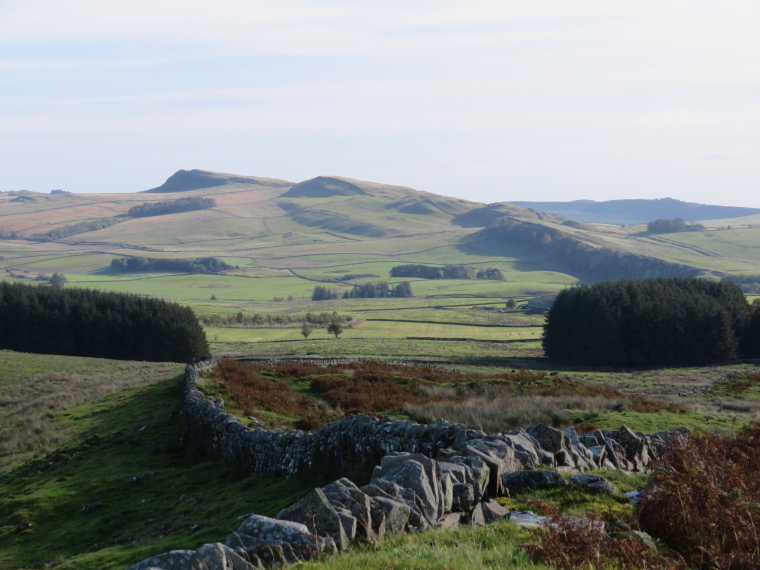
[[284, 238]]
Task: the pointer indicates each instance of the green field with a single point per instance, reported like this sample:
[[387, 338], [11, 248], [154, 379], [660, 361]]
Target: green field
[[122, 455]]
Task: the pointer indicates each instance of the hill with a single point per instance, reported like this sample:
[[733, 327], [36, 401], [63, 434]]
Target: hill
[[636, 211], [186, 180], [282, 237]]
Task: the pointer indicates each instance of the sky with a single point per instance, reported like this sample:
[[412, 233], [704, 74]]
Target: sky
[[484, 100]]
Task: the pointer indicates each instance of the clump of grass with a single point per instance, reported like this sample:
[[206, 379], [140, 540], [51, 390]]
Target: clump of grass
[[704, 499]]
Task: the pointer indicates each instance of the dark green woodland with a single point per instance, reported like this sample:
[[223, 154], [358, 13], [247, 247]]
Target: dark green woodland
[[83, 322], [676, 321]]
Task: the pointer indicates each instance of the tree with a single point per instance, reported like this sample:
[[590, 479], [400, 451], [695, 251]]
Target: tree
[[58, 280], [511, 304], [323, 294], [335, 329], [306, 330], [675, 321]]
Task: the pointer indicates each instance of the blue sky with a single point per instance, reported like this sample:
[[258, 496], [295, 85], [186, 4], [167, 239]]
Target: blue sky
[[485, 100]]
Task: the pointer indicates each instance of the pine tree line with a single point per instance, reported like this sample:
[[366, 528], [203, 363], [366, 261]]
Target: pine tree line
[[675, 321], [83, 322]]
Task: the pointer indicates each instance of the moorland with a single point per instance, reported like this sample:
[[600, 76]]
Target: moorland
[[92, 453]]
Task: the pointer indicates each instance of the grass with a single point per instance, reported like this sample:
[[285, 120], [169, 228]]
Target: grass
[[575, 500], [494, 546], [152, 489], [35, 387], [377, 330]]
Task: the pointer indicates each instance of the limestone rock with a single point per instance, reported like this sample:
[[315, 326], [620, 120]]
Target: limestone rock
[[396, 514], [528, 519], [172, 560], [594, 484], [464, 498], [218, 556], [316, 512], [524, 481], [305, 544]]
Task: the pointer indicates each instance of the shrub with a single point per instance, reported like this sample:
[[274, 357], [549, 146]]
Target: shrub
[[574, 543], [704, 499]]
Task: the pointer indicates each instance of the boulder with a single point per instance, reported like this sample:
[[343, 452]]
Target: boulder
[[528, 519], [594, 484], [493, 511], [304, 543], [593, 438], [526, 448], [464, 498], [218, 556], [396, 514], [524, 481], [498, 464], [343, 493], [447, 490], [449, 520], [468, 470], [348, 522], [316, 512], [172, 560], [421, 475], [549, 438]]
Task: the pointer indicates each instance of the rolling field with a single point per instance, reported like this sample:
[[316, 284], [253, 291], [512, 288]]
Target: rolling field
[[378, 330]]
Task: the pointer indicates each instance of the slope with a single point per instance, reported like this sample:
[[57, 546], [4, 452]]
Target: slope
[[328, 227]]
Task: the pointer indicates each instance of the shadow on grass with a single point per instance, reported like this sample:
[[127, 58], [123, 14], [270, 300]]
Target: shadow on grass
[[128, 487]]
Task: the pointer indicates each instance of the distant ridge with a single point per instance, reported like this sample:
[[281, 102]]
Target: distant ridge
[[636, 211], [186, 180]]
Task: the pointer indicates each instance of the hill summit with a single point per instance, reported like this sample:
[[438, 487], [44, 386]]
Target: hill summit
[[187, 180]]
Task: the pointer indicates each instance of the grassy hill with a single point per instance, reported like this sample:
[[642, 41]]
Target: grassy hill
[[284, 236]]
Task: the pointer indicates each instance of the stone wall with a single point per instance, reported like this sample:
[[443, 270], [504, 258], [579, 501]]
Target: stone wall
[[340, 449], [425, 476], [357, 444]]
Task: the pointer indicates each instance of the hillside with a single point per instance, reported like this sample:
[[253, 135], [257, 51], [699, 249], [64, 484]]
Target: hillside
[[629, 212], [329, 227]]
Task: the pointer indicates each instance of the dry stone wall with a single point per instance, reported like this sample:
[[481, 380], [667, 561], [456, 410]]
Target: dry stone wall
[[357, 444], [436, 476]]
